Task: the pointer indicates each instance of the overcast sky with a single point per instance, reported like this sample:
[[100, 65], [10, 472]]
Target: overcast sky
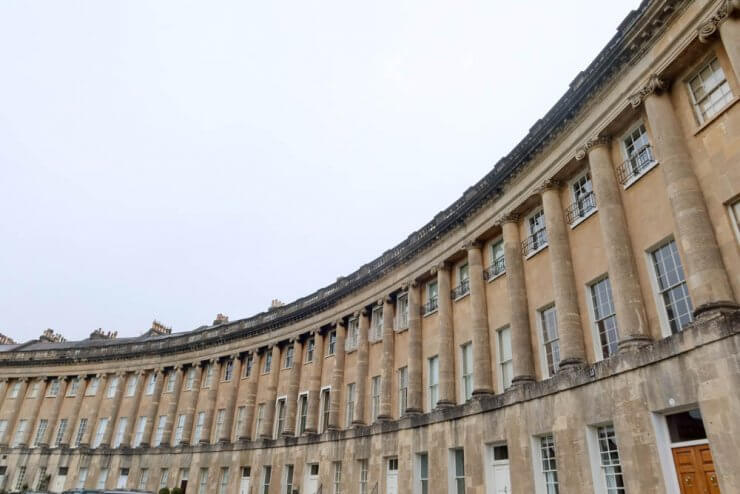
[[176, 159]]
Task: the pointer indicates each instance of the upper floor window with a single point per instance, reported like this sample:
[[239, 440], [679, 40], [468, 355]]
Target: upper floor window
[[289, 356], [672, 288], [505, 361], [537, 239], [207, 376], [228, 370], [550, 339], [353, 333], [638, 155], [402, 311], [498, 264], [310, 344], [433, 382], [248, 367], [15, 390], [151, 383], [377, 323], [171, 380], [605, 319], [191, 379], [113, 387], [350, 404], [268, 361], [584, 202], [467, 370], [92, 388], [53, 390], [710, 91], [74, 386], [332, 342], [403, 388], [463, 277], [432, 298], [131, 385]]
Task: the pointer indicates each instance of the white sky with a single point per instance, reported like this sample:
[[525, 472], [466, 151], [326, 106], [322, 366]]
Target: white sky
[[176, 159]]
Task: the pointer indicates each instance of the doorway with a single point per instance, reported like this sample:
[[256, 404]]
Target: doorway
[[692, 457], [391, 478], [499, 481], [245, 481], [311, 482]]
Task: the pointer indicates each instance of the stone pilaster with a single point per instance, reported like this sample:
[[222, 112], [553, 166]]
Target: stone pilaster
[[572, 351], [15, 414], [628, 303], [230, 389], [250, 398], [521, 344], [55, 409], [33, 423], [314, 389], [92, 422], [414, 399], [445, 344], [74, 417], [271, 395], [135, 408], [386, 379], [706, 277], [362, 369], [337, 378], [482, 373], [114, 409]]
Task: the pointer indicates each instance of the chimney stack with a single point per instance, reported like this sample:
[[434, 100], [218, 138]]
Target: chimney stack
[[51, 337]]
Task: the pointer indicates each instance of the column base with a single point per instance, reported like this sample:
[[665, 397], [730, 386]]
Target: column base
[[357, 423], [482, 392], [522, 380], [571, 363], [287, 434], [310, 431], [384, 418], [712, 307], [444, 404], [413, 411], [633, 342]]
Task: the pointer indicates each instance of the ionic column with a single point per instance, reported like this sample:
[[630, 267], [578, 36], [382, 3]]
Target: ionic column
[[13, 422], [414, 394], [572, 351], [231, 389], [314, 389], [116, 407], [151, 409], [445, 344], [172, 406], [211, 401], [34, 418], [272, 385], [251, 396], [189, 402], [386, 377], [726, 19], [362, 368], [337, 378], [55, 409], [521, 345], [136, 407], [295, 379], [74, 417], [706, 276], [97, 403], [482, 373], [628, 304]]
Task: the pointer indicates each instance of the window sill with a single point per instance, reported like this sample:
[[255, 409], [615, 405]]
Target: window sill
[[535, 252], [462, 296], [400, 330], [642, 173], [329, 355], [497, 276], [583, 218], [350, 350], [719, 114], [430, 313]]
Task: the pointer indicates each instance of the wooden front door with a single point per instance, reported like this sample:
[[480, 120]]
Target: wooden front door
[[695, 470]]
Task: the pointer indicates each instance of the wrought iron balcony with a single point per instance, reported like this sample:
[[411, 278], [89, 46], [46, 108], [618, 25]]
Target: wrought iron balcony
[[430, 306], [635, 165], [495, 269], [534, 242], [462, 289], [581, 208]]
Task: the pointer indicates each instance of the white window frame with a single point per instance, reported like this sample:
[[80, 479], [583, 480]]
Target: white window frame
[[140, 429], [598, 475], [433, 381], [539, 476], [492, 259], [179, 429], [491, 462], [349, 405], [454, 475], [200, 421], [665, 327], [310, 349], [337, 477], [700, 119], [402, 312], [418, 478], [733, 209], [464, 377], [288, 478], [571, 183], [324, 408], [301, 419], [376, 384], [151, 383], [403, 389], [376, 323], [353, 334], [131, 385], [596, 339], [501, 363], [331, 345], [161, 426], [120, 431], [40, 432], [289, 356], [281, 409], [428, 298], [364, 476], [541, 341], [223, 481], [527, 225]]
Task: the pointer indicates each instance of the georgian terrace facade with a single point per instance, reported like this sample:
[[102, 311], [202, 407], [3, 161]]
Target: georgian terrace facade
[[569, 325]]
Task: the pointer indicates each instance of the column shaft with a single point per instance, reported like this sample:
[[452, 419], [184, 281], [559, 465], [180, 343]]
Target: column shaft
[[312, 420], [445, 343], [482, 373], [414, 397], [386, 379], [362, 369], [295, 381], [337, 378]]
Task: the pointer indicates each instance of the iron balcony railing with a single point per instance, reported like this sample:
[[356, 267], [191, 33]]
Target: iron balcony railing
[[635, 164], [462, 289], [496, 268], [430, 306], [580, 208], [534, 242]]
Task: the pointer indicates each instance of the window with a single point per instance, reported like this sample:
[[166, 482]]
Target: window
[[302, 413], [92, 387], [422, 460], [584, 202], [53, 390], [498, 262], [353, 333], [350, 405], [268, 361], [363, 477], [164, 476], [638, 154], [20, 433], [74, 387], [375, 405], [199, 427], [686, 426], [203, 481], [248, 367], [377, 323], [605, 320], [122, 423], [131, 385], [432, 302], [143, 479], [289, 356], [161, 424], [113, 387], [4, 429], [463, 277], [332, 342], [60, 432], [467, 370], [80, 432], [403, 389], [457, 470], [710, 91], [171, 381], [239, 421], [280, 422], [122, 478], [288, 479], [179, 429], [150, 384], [310, 344], [220, 417], [402, 311], [100, 432], [139, 436], [34, 390], [228, 370], [81, 477], [672, 288], [548, 465], [260, 418], [184, 474], [537, 239], [21, 477], [433, 382], [506, 365], [41, 484], [207, 376], [611, 467], [102, 477], [223, 483], [40, 432], [324, 409], [15, 390], [337, 477], [190, 380], [734, 210], [266, 477], [550, 339]]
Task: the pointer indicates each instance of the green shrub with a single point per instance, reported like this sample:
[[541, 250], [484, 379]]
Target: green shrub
[[176, 490], [164, 490]]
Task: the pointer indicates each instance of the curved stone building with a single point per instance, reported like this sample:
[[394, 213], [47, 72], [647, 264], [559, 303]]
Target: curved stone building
[[570, 324]]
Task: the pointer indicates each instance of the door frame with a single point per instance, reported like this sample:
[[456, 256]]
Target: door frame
[[490, 466], [387, 461]]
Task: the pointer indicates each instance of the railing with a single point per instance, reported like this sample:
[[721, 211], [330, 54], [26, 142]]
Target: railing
[[635, 164], [496, 268], [534, 242], [580, 208], [462, 289], [430, 306]]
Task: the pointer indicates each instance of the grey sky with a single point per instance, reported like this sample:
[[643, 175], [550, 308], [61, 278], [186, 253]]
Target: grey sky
[[177, 159]]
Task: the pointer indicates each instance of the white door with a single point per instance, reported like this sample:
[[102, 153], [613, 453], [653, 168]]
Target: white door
[[59, 482], [391, 478], [245, 481], [501, 477], [311, 484]]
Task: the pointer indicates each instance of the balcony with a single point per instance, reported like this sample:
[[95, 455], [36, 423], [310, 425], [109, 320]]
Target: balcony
[[534, 243], [580, 209], [430, 306], [496, 268], [637, 164], [460, 290]]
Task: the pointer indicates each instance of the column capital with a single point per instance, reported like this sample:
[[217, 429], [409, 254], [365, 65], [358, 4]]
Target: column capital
[[549, 184], [509, 217], [654, 85], [592, 143], [339, 322], [723, 12], [471, 244], [440, 266]]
